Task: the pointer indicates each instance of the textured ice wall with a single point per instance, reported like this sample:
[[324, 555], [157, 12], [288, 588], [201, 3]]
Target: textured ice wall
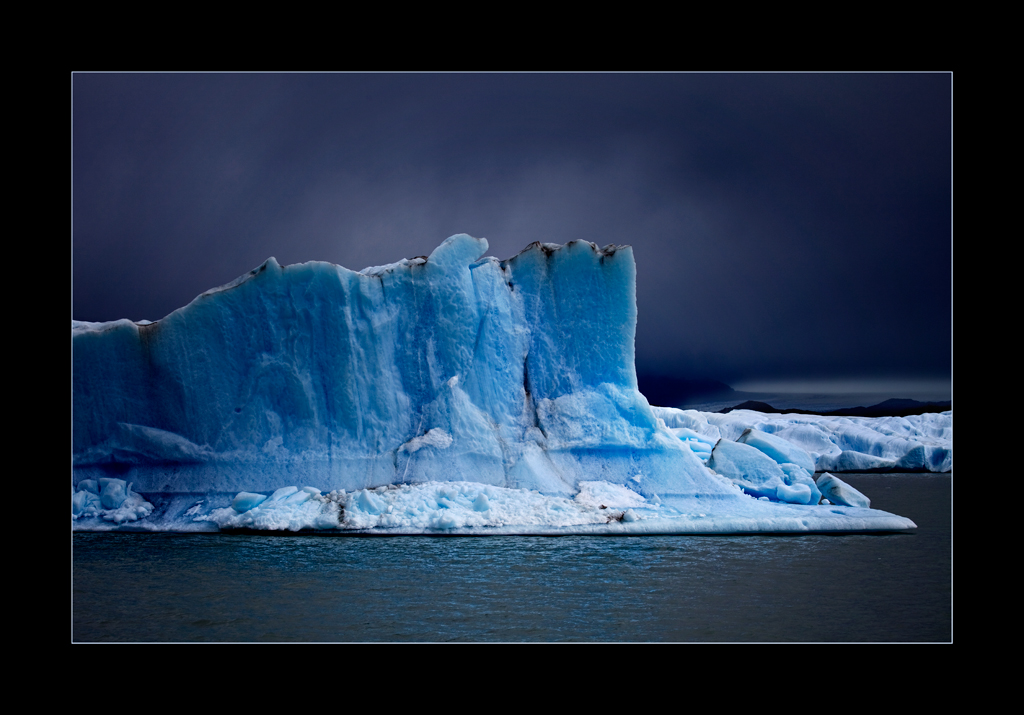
[[454, 367]]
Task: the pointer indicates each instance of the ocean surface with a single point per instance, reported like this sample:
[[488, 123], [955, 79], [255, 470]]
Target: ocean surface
[[224, 587]]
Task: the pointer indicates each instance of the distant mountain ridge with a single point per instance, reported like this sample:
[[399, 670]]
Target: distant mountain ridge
[[896, 407], [703, 394]]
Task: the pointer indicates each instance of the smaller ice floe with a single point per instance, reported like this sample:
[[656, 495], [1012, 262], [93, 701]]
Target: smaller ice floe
[[287, 509], [760, 476], [246, 501], [844, 444], [780, 450], [839, 492], [110, 500]]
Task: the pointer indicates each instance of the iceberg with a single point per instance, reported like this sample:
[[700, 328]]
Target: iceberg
[[839, 492], [452, 392], [828, 444], [758, 474]]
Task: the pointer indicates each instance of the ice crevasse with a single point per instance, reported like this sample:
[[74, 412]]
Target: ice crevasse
[[511, 382]]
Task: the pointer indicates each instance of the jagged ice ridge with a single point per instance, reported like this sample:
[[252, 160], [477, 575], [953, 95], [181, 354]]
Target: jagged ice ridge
[[449, 392]]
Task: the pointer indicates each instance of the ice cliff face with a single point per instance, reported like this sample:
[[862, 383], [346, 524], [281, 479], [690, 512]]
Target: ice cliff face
[[453, 367]]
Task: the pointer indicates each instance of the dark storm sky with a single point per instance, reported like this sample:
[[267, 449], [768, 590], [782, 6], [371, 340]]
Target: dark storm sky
[[785, 227]]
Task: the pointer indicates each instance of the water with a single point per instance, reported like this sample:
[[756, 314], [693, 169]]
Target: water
[[218, 587]]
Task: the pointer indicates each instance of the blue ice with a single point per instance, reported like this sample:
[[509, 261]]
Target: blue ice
[[513, 377]]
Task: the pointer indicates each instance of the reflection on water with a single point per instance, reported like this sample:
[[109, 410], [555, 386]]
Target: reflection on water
[[163, 587]]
